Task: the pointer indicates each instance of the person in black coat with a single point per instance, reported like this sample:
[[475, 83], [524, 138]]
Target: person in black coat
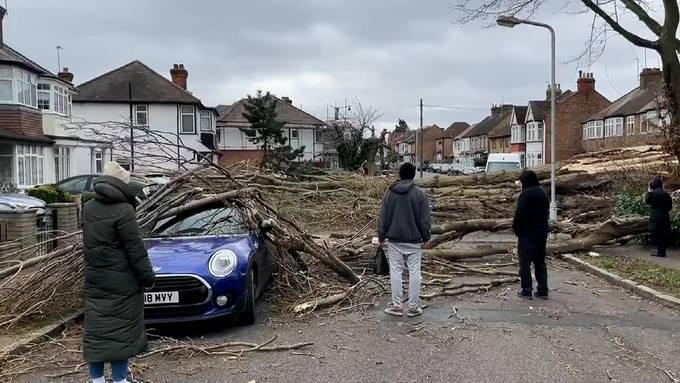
[[660, 204], [530, 225]]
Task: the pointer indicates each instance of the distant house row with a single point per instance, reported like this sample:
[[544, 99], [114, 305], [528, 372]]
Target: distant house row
[[51, 130], [586, 121]]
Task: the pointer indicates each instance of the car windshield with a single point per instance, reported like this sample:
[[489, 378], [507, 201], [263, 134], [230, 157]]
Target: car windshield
[[502, 166], [219, 221]]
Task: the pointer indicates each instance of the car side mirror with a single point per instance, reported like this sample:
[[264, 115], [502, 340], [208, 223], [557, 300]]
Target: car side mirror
[[267, 225]]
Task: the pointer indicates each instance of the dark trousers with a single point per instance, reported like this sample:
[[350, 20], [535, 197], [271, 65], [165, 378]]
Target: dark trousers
[[660, 238], [531, 249]]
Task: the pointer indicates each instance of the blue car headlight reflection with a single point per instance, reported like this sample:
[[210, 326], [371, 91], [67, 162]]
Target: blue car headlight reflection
[[222, 263]]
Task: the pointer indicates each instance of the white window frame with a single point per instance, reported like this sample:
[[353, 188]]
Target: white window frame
[[47, 92], [182, 113], [26, 157], [97, 157], [206, 116], [630, 125], [62, 163], [143, 111], [609, 127], [318, 136], [26, 85], [9, 80], [61, 100]]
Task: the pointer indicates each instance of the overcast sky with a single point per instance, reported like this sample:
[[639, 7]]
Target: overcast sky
[[385, 53]]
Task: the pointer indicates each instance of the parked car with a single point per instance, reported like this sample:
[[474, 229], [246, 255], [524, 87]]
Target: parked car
[[21, 201], [435, 168], [85, 184], [207, 265], [499, 162]]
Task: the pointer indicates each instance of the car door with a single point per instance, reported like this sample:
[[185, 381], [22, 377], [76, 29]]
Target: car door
[[75, 185]]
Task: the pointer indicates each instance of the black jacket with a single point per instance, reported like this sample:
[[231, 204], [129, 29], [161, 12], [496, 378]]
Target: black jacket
[[660, 204], [117, 269], [532, 212], [405, 216]]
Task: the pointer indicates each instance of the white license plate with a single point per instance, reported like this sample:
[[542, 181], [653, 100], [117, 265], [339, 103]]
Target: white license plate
[[161, 297]]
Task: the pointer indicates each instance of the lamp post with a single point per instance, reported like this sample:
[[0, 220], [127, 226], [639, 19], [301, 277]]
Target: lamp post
[[511, 21]]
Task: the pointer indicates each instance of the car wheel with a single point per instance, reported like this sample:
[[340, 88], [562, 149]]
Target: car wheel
[[247, 316]]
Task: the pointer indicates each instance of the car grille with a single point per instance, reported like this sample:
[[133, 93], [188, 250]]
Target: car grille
[[192, 291]]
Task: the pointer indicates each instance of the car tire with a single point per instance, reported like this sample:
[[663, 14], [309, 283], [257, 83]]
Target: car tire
[[247, 316]]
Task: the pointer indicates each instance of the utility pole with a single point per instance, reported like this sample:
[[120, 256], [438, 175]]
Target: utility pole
[[132, 131], [422, 138]]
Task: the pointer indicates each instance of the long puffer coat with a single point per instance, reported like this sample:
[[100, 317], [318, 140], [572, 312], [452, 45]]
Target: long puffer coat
[[117, 269]]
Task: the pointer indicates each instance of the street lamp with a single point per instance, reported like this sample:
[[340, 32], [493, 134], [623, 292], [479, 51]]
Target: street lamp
[[511, 21]]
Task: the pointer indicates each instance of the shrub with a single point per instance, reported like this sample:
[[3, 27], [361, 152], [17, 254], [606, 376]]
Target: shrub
[[629, 201], [50, 194]]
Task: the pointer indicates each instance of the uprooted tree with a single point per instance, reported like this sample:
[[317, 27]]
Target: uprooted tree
[[350, 139], [608, 17], [267, 132]]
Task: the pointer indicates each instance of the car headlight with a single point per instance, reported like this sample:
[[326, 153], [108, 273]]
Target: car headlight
[[222, 263]]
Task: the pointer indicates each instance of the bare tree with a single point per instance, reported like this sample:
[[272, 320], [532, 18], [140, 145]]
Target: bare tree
[[355, 149], [607, 17]]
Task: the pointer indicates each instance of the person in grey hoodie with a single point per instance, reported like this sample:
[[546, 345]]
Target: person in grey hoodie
[[405, 222]]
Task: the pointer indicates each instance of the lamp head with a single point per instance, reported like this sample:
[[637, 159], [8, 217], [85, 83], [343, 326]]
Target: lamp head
[[507, 21]]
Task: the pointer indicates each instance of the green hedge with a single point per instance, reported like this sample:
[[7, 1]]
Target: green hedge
[[50, 194]]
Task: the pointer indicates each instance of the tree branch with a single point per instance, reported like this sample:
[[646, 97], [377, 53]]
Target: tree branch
[[633, 38], [652, 24]]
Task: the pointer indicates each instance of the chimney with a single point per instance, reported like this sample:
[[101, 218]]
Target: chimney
[[558, 91], [66, 76], [585, 82], [496, 110], [650, 77], [2, 17], [179, 75], [287, 100]]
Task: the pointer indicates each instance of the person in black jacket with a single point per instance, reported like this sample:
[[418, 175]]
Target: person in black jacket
[[117, 269], [531, 228], [660, 204]]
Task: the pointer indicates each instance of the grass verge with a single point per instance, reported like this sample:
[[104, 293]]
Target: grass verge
[[644, 272]]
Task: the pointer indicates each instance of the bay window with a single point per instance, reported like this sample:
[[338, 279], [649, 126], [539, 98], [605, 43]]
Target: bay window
[[613, 127], [6, 84], [30, 165], [187, 119], [206, 121], [62, 162], [44, 96], [26, 88], [62, 100]]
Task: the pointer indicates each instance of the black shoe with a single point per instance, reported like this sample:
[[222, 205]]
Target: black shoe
[[658, 255], [525, 295], [541, 295]]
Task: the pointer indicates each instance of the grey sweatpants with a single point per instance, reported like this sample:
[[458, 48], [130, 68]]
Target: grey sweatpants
[[409, 253]]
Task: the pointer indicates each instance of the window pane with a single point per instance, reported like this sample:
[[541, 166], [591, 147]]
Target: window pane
[[43, 100], [5, 90], [5, 72], [40, 170], [141, 118], [187, 123], [34, 170], [187, 109], [141, 108], [57, 173]]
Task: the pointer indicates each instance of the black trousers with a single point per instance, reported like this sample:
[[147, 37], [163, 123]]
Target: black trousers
[[660, 239], [531, 249]]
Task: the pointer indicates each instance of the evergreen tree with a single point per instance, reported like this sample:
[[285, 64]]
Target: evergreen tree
[[401, 127]]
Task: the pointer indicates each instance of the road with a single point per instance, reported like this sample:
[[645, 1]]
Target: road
[[589, 331]]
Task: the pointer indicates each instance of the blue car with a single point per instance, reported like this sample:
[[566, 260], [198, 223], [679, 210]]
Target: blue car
[[207, 265]]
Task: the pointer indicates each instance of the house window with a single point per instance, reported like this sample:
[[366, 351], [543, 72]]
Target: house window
[[653, 121], [30, 165], [318, 136], [294, 133], [26, 88], [250, 133], [630, 125], [44, 96], [62, 100], [62, 163], [98, 161], [218, 136], [6, 84], [643, 124], [187, 119], [141, 115], [613, 127], [206, 121], [539, 159]]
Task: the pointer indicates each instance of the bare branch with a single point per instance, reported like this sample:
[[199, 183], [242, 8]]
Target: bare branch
[[633, 38]]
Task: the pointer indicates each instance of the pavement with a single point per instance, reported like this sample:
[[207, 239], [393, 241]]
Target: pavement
[[672, 259], [589, 331]]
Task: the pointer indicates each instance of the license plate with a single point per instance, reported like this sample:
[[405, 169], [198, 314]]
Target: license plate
[[161, 297]]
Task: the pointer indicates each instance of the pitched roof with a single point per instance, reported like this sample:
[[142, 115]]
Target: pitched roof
[[9, 55], [638, 100], [233, 114], [490, 122], [148, 86], [540, 108], [503, 126], [521, 114], [464, 132], [454, 129]]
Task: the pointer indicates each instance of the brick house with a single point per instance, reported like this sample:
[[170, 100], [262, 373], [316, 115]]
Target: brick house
[[445, 147], [476, 141], [301, 129], [499, 137], [429, 135], [629, 121], [518, 132]]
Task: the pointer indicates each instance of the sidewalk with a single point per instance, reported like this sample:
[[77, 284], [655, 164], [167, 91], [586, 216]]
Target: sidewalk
[[671, 261]]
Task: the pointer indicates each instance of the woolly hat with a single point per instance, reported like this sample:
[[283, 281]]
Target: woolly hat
[[114, 170]]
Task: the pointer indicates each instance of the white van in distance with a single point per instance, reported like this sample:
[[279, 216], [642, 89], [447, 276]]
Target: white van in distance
[[498, 162]]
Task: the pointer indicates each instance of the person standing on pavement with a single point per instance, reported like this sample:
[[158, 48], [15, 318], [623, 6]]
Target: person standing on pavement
[[405, 222], [661, 204], [530, 225], [117, 269]]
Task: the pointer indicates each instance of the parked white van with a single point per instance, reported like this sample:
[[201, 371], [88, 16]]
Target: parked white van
[[498, 162]]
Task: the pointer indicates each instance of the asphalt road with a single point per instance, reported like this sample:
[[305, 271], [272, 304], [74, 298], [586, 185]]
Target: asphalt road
[[589, 331]]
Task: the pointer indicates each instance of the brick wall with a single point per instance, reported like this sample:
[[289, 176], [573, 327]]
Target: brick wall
[[15, 224], [635, 139], [571, 112], [430, 134], [66, 218], [231, 157], [499, 145]]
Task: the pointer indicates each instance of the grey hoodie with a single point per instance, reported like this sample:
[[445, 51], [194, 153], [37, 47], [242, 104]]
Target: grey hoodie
[[405, 216]]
